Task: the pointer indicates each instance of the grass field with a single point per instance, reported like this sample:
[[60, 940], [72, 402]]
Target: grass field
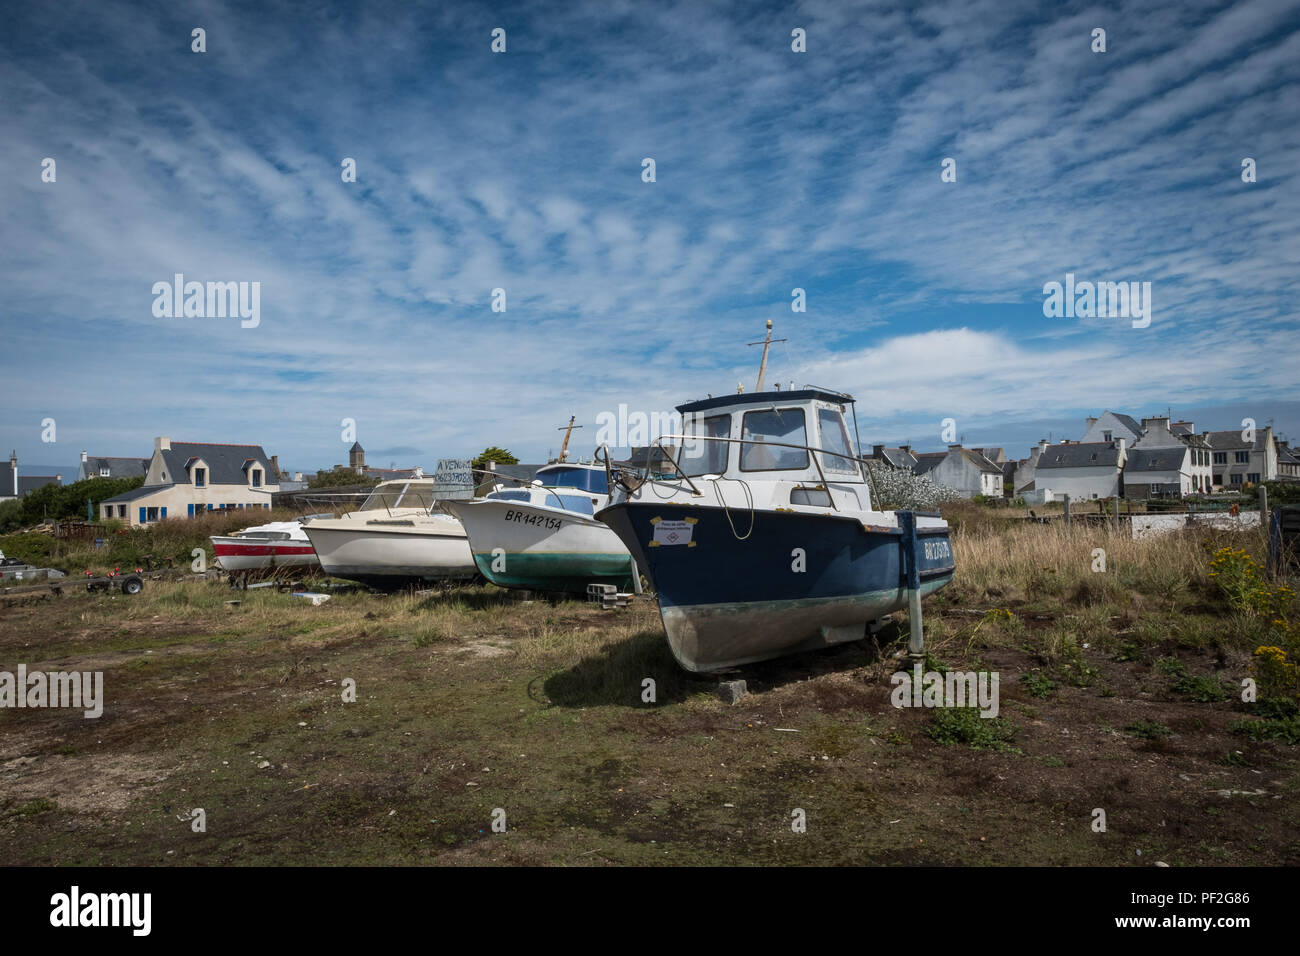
[[1120, 691]]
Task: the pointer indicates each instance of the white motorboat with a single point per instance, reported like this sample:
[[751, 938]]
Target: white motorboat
[[545, 537], [394, 540], [279, 544]]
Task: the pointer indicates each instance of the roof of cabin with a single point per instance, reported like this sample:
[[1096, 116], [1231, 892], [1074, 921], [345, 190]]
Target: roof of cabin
[[765, 398]]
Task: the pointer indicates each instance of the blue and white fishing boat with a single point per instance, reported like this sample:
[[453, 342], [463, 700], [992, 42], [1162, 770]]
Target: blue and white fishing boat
[[544, 536], [764, 542]]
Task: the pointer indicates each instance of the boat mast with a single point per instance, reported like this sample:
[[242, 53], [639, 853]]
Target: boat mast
[[568, 430], [766, 343]]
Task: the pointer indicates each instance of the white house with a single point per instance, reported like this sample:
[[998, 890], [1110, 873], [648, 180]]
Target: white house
[[1237, 462], [963, 469], [189, 478], [1110, 426], [1167, 461], [1081, 469]]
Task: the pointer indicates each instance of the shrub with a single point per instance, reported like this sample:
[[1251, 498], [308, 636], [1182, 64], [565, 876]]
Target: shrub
[[898, 488], [964, 725]]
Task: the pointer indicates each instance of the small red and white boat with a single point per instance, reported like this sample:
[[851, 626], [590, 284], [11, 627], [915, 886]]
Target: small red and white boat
[[279, 544]]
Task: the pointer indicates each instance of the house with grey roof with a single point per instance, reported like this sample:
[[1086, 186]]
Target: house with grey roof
[[1288, 459], [963, 469], [104, 466], [1110, 426], [1238, 462], [1174, 461], [192, 478], [900, 457], [14, 485], [1082, 469]]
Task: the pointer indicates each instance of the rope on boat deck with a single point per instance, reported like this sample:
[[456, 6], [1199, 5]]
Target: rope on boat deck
[[727, 511]]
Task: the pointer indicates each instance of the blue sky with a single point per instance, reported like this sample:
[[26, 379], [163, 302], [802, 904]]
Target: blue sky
[[523, 171]]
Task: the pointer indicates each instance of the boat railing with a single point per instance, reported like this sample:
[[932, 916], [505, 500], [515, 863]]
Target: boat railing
[[814, 453]]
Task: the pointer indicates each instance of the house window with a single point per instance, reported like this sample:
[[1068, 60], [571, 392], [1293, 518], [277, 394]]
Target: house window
[[121, 511], [257, 477], [1253, 478], [103, 472], [200, 477], [1220, 457], [151, 514], [1243, 457], [1235, 478], [1106, 436]]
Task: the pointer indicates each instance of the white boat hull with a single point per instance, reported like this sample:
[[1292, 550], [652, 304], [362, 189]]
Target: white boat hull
[[521, 545], [393, 553]]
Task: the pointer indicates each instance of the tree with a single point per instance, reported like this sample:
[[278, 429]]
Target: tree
[[60, 502], [493, 453], [340, 478]]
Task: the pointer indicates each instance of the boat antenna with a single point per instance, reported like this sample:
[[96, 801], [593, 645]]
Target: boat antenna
[[766, 343], [568, 430]]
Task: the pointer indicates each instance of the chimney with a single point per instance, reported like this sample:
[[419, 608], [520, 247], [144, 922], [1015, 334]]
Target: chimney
[[162, 443], [954, 447], [1090, 421], [905, 448], [877, 451], [83, 457], [275, 466]]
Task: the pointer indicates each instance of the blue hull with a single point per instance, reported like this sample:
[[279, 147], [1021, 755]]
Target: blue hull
[[797, 581]]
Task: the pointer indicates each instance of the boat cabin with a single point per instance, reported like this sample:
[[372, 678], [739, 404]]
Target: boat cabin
[[579, 488], [799, 436]]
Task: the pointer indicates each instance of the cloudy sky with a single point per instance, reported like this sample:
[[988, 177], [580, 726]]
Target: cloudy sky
[[523, 171]]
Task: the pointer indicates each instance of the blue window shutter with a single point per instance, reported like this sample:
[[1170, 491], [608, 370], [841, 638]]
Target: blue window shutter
[[163, 513], [142, 518], [191, 509]]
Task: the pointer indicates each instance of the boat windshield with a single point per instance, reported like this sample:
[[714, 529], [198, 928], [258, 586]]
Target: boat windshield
[[784, 425], [586, 479], [835, 438], [391, 497], [705, 457]]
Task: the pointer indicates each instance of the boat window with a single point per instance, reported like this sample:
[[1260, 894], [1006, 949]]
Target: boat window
[[774, 425], [383, 498], [588, 479], [706, 457], [511, 495], [417, 496], [576, 503], [835, 437]]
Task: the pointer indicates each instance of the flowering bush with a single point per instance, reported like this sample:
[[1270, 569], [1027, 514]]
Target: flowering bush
[[1242, 580], [898, 488]]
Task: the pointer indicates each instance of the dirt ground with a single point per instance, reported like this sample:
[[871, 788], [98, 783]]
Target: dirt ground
[[474, 708]]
